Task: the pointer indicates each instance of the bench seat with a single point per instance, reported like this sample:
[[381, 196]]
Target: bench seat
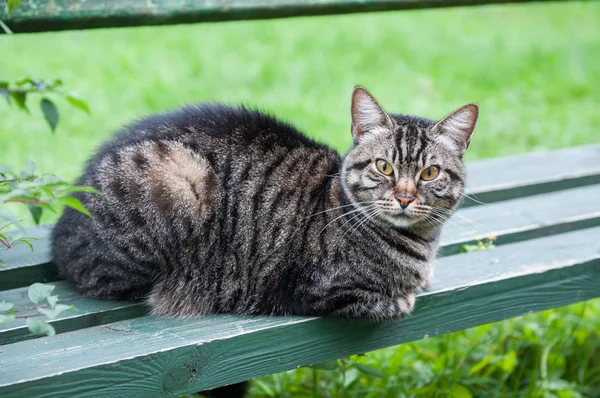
[[544, 209]]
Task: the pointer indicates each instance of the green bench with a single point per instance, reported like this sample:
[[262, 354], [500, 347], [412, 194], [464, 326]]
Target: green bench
[[544, 209]]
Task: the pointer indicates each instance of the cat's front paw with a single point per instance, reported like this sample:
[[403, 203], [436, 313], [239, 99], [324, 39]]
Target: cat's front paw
[[405, 305]]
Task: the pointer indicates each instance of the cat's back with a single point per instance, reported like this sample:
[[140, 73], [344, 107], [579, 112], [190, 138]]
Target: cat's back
[[175, 184], [210, 126]]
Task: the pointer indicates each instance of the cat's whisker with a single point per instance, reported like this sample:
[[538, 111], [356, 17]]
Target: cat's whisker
[[340, 207], [345, 214], [367, 218], [472, 197], [447, 217]]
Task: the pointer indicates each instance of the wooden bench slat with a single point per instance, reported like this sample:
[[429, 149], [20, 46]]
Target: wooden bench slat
[[164, 357], [89, 312], [22, 267], [534, 173], [41, 15], [526, 218]]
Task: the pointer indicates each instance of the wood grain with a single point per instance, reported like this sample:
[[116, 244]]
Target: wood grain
[[88, 312], [48, 15], [533, 173], [151, 356]]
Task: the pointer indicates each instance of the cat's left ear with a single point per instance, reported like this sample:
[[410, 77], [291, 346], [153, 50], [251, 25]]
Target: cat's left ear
[[458, 126]]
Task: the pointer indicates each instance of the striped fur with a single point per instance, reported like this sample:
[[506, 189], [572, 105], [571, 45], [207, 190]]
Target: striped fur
[[212, 209]]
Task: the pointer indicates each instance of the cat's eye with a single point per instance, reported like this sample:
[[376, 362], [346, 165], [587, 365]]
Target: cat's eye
[[430, 173], [384, 167]]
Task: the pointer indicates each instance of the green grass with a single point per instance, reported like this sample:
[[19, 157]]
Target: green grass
[[534, 69]]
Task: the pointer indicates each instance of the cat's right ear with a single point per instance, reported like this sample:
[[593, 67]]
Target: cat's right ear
[[367, 114]]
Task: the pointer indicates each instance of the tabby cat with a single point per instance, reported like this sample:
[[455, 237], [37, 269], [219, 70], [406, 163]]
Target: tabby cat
[[215, 209]]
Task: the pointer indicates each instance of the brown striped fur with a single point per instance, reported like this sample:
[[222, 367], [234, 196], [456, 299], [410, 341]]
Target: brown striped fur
[[212, 209]]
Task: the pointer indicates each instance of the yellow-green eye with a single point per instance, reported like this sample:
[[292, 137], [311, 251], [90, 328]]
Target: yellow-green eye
[[430, 173], [384, 167]]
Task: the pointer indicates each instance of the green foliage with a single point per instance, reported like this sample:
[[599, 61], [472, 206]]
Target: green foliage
[[46, 305], [39, 193], [18, 93], [549, 354], [12, 5], [532, 68], [482, 244]]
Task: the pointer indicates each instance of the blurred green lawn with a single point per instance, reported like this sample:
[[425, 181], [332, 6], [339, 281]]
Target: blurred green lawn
[[534, 69]]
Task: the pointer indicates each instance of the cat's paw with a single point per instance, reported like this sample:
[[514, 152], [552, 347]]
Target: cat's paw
[[405, 304], [427, 281]]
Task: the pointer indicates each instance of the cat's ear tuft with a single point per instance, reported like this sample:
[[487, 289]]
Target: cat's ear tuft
[[367, 114], [459, 125]]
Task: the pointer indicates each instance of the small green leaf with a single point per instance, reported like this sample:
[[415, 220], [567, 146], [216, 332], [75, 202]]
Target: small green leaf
[[39, 292], [6, 318], [78, 188], [74, 203], [266, 389], [4, 93], [50, 112], [469, 248], [25, 81], [78, 103], [36, 213], [12, 5], [31, 166], [459, 391], [370, 371], [4, 169], [329, 365], [8, 216], [40, 327], [4, 306], [52, 300], [25, 241], [54, 312], [20, 99]]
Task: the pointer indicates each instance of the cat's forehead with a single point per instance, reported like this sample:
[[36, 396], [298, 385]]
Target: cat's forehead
[[411, 139]]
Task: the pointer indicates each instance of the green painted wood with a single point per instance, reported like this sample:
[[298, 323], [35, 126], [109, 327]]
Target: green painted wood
[[525, 218], [22, 267], [511, 221], [511, 177], [153, 356], [48, 15], [89, 312]]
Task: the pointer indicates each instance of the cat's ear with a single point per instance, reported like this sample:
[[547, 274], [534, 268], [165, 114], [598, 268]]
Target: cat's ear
[[458, 126], [367, 114]]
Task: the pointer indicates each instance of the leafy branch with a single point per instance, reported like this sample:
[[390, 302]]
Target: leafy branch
[[37, 294], [18, 92]]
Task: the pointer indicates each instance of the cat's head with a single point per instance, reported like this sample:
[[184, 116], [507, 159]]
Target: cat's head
[[406, 170]]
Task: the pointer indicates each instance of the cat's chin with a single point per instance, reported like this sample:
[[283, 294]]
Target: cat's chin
[[401, 220]]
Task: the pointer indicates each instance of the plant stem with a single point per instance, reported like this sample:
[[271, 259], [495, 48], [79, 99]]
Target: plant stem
[[28, 316], [5, 243], [27, 201]]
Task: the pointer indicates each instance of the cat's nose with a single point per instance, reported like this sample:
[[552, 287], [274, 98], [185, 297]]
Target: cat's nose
[[404, 199]]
